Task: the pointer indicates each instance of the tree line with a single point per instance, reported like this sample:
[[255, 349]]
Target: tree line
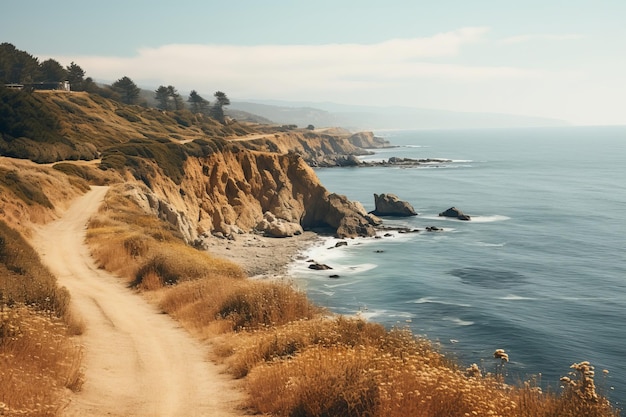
[[168, 98], [20, 67]]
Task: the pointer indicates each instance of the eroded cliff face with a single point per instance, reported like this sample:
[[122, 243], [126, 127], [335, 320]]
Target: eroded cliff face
[[319, 149], [229, 191]]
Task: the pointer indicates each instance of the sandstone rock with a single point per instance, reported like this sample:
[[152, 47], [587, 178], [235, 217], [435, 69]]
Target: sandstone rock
[[455, 212], [335, 211], [229, 190], [274, 227], [284, 229], [391, 205], [151, 203], [368, 140]]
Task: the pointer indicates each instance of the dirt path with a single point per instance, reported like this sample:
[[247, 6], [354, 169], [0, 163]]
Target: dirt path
[[137, 362]]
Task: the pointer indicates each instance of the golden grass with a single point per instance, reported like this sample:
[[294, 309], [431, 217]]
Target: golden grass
[[366, 380], [227, 304], [38, 362], [295, 359], [38, 359], [31, 194]]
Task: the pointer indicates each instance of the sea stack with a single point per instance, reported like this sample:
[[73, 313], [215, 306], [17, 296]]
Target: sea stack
[[455, 212], [391, 205]]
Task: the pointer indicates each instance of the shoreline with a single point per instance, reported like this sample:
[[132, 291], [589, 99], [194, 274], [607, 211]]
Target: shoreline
[[270, 257], [261, 256]]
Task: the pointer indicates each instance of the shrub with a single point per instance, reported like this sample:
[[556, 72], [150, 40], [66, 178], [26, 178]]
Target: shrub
[[172, 263], [126, 114], [29, 193], [170, 157], [84, 175], [23, 115]]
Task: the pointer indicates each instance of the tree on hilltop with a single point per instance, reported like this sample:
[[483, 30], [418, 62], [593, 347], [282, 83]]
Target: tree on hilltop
[[198, 104], [168, 98], [127, 89], [17, 66], [162, 97], [176, 98], [52, 71], [76, 76], [217, 111]]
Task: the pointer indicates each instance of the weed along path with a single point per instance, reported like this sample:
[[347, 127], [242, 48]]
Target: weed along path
[[137, 361]]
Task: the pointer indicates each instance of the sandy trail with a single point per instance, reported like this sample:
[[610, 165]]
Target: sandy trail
[[137, 362]]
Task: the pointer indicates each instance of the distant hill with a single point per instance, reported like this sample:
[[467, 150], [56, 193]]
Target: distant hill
[[356, 118], [379, 118]]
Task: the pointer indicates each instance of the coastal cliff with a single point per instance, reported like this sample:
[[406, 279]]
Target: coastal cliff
[[228, 193]]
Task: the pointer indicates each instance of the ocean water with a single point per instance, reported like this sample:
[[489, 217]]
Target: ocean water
[[539, 271]]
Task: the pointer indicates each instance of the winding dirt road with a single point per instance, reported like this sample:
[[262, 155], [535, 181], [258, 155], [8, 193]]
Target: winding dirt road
[[137, 361]]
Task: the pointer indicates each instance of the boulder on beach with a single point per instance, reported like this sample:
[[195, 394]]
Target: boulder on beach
[[391, 205], [274, 227], [455, 212]]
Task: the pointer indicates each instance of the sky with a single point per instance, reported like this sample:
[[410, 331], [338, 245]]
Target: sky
[[561, 59]]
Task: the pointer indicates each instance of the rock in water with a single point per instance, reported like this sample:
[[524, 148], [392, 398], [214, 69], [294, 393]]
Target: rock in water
[[319, 267], [455, 212], [391, 205]]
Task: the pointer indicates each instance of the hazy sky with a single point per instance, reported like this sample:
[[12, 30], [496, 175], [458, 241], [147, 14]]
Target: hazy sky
[[562, 59]]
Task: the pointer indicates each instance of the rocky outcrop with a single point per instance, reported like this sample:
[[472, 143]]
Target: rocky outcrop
[[391, 205], [455, 212], [274, 227], [319, 267], [229, 192], [367, 140], [151, 203], [336, 212]]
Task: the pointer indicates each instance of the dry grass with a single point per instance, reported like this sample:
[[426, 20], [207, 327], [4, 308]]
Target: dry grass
[[219, 304], [38, 362], [147, 251], [296, 361], [31, 194], [38, 359], [369, 380]]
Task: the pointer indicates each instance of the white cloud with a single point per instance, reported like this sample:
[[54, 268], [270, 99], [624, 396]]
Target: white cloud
[[540, 37], [251, 69], [440, 71]]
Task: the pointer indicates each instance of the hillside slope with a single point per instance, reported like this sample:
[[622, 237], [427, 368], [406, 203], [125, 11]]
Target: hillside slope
[[202, 176]]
